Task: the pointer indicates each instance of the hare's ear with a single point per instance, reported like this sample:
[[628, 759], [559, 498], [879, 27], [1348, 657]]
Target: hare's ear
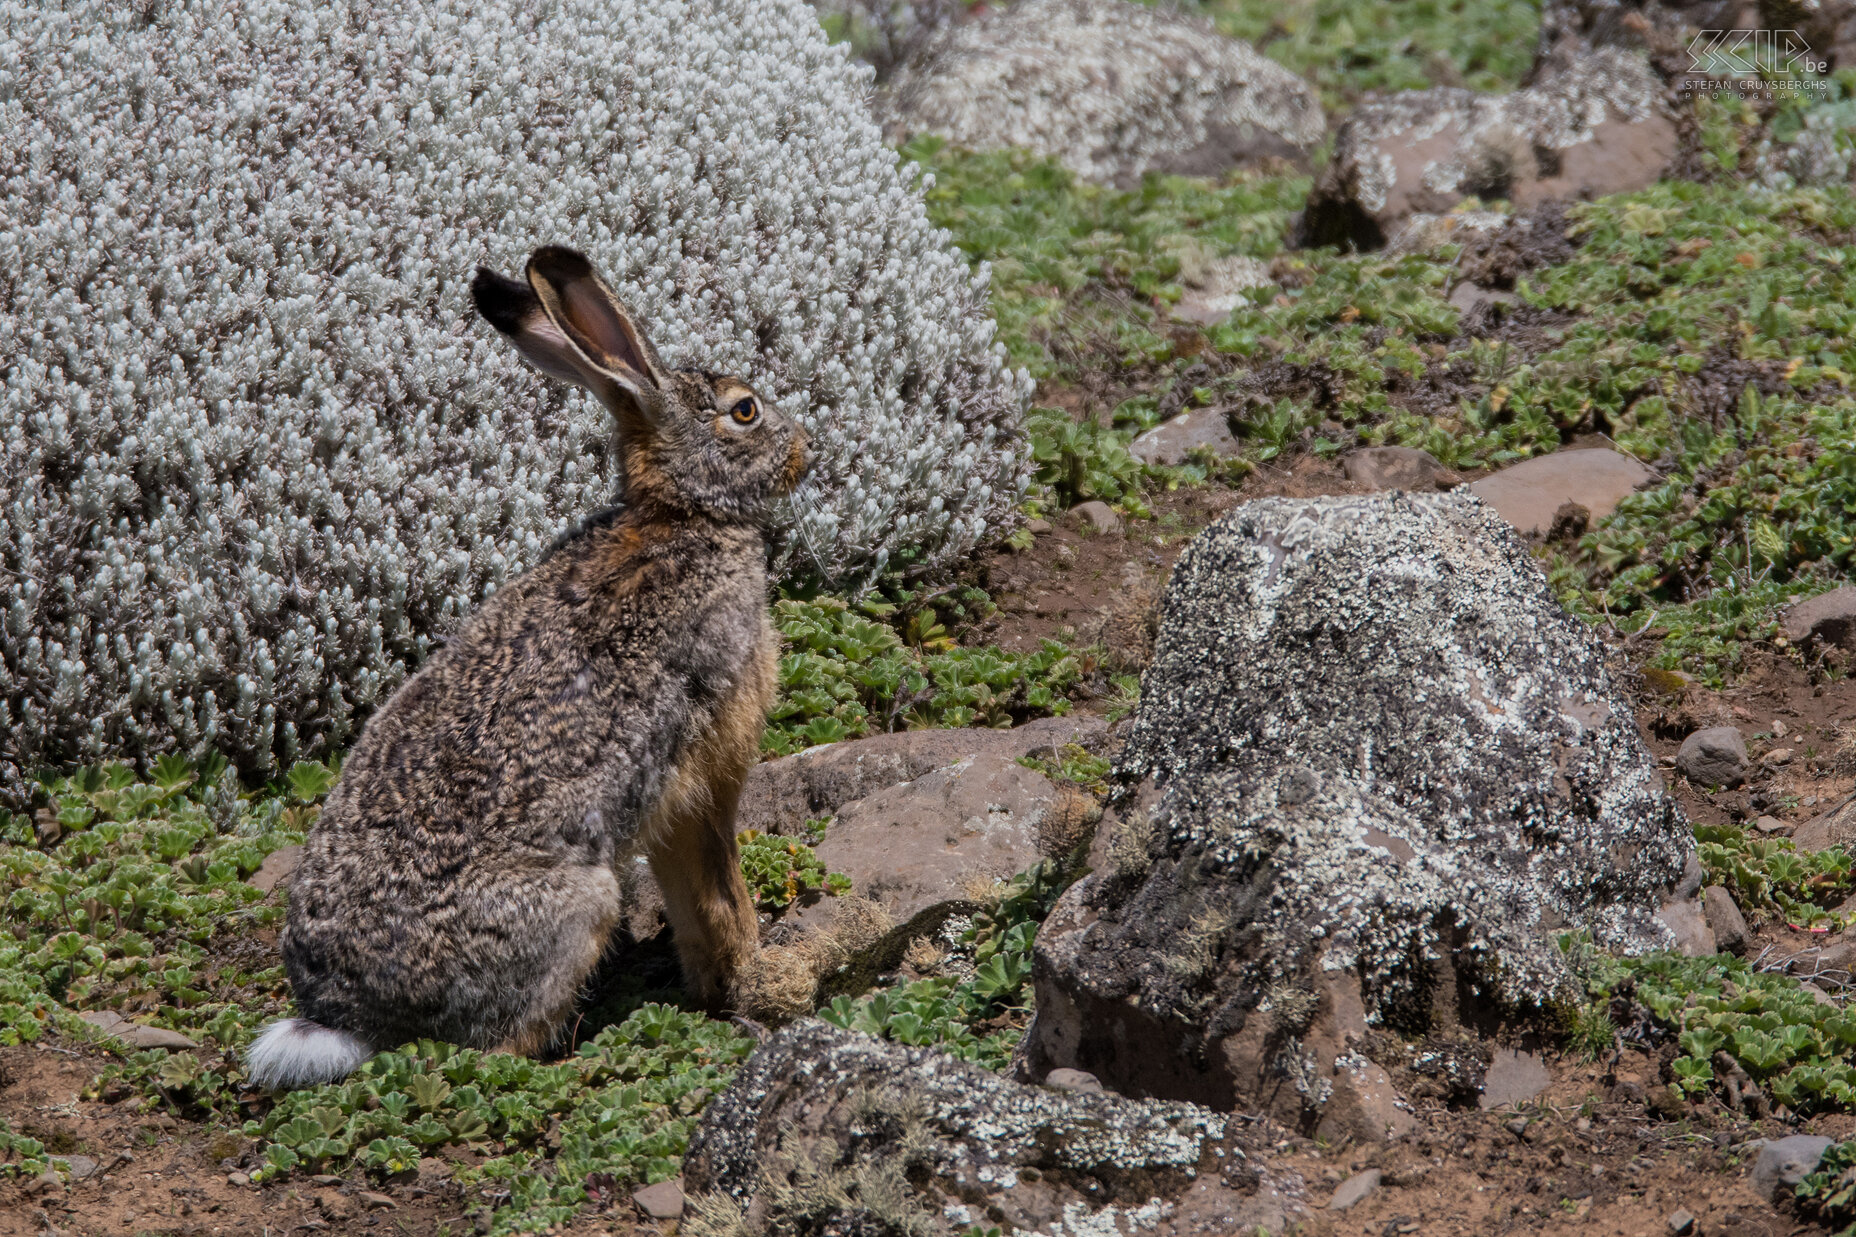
[[567, 323]]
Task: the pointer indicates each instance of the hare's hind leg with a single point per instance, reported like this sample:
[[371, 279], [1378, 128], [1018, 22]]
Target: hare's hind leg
[[574, 911], [698, 867]]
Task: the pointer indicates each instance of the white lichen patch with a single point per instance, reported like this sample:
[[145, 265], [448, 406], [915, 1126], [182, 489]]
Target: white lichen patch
[[255, 451], [1376, 703]]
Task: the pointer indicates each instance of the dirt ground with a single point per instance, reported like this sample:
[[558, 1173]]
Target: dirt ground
[[1588, 1156]]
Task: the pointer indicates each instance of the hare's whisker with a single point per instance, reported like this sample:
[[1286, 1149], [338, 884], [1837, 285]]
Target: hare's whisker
[[800, 506]]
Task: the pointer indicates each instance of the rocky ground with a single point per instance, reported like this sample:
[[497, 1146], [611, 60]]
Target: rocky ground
[[1567, 1143], [1651, 388]]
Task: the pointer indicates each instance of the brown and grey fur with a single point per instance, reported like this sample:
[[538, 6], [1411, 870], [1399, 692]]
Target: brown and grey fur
[[460, 883]]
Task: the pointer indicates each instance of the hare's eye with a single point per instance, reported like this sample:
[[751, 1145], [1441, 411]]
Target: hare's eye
[[745, 411]]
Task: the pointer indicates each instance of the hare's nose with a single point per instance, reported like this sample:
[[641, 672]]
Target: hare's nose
[[798, 459]]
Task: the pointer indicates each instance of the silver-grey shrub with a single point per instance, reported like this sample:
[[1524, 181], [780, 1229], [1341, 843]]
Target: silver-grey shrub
[[255, 453]]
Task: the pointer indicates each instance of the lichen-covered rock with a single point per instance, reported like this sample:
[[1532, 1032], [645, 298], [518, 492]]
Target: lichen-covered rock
[[256, 451], [825, 1130], [1109, 88], [887, 34], [1597, 126], [1375, 770]]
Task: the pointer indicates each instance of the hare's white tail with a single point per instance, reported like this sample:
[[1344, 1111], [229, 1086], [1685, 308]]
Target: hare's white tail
[[299, 1053]]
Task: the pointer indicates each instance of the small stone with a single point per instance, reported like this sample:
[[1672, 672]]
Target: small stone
[[81, 1166], [1778, 728], [1038, 527], [1513, 1078], [1072, 1080], [1681, 1223], [1770, 824], [277, 868], [48, 1182], [1169, 442], [237, 1179], [327, 1179], [1725, 920], [1517, 1127], [663, 1201], [1098, 515], [1713, 757], [1466, 296], [1355, 1189], [1784, 1162], [134, 1034], [1397, 468], [1778, 756], [1685, 921], [1828, 619], [369, 1198], [1530, 494]]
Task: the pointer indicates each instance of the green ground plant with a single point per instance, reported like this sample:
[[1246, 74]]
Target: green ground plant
[[618, 1112], [1346, 48], [1771, 878], [846, 674], [978, 1013], [1829, 1192], [781, 871]]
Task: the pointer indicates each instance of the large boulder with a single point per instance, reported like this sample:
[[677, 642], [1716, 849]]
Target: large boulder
[[1111, 89], [1597, 126], [1375, 770], [833, 1131]]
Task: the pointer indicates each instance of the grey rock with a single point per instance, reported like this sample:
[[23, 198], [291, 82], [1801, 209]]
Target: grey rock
[[780, 796], [1715, 756], [1596, 124], [1168, 443], [79, 1166], [1827, 620], [1680, 1223], [1365, 716], [1725, 920], [1530, 494], [1355, 1189], [1216, 288], [277, 868], [1770, 824], [1513, 1078], [135, 1034], [1397, 468], [1466, 296], [1835, 826], [1685, 921], [1098, 516], [1692, 876], [373, 1200], [948, 1145], [945, 836], [663, 1201], [1073, 1080], [1784, 1162], [1113, 90]]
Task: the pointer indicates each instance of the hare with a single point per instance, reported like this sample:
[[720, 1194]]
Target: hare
[[460, 883]]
